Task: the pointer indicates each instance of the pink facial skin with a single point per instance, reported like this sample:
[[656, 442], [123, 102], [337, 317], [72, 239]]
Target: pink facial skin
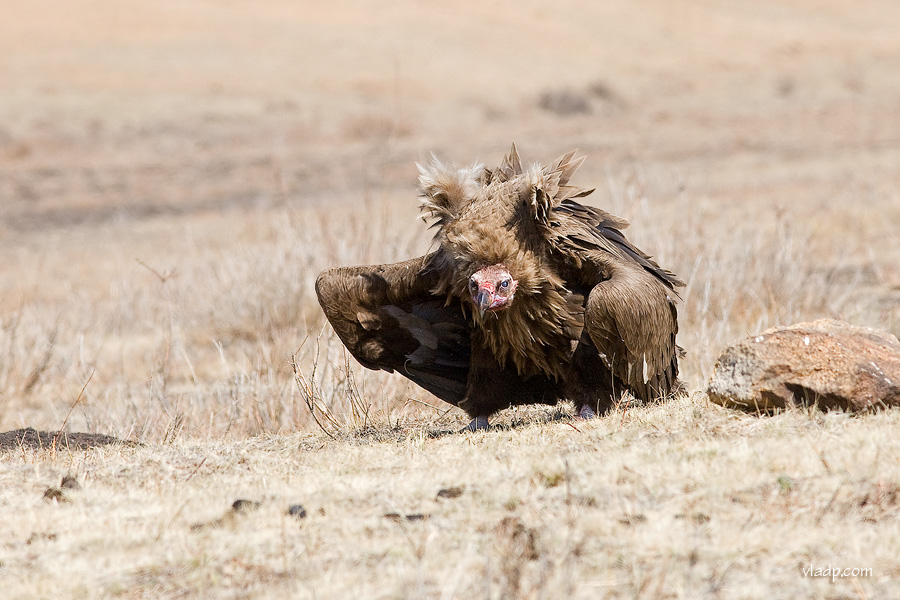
[[492, 288]]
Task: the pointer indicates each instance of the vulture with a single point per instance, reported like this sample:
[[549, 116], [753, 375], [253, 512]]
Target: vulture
[[527, 297]]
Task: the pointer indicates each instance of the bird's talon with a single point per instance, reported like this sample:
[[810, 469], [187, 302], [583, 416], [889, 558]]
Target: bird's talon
[[586, 412], [478, 423]]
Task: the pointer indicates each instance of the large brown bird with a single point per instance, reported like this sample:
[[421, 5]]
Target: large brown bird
[[530, 297]]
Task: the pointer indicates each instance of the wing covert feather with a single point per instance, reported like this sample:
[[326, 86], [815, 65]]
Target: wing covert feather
[[630, 314]]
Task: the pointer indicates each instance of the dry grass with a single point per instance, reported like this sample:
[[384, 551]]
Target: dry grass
[[163, 220], [683, 500], [202, 340]]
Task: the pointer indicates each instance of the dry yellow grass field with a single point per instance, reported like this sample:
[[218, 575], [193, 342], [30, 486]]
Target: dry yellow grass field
[[174, 175]]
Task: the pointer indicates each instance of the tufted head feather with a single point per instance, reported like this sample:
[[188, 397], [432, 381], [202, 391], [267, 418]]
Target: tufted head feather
[[510, 168], [445, 190], [549, 186]]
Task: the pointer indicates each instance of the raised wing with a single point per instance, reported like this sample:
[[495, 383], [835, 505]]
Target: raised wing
[[388, 318], [630, 313], [632, 320]]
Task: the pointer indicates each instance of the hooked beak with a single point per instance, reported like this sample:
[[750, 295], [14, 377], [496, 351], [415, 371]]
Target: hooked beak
[[483, 301]]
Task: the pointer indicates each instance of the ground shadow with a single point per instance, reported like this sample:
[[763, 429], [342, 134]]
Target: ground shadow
[[514, 421], [33, 439]]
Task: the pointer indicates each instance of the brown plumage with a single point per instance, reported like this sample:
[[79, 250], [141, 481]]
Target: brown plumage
[[530, 297]]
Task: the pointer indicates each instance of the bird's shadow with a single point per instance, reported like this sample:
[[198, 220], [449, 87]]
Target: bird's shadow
[[514, 421]]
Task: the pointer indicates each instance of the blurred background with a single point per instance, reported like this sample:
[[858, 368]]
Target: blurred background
[[173, 175]]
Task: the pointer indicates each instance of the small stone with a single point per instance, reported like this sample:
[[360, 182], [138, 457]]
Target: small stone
[[416, 517], [633, 519], [451, 492], [55, 495], [40, 537], [70, 483], [410, 517], [244, 506]]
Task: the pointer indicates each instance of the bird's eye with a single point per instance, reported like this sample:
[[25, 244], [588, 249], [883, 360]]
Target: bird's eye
[[504, 284], [473, 285]]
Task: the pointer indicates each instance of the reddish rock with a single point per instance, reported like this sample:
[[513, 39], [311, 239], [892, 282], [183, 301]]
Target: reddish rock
[[827, 363]]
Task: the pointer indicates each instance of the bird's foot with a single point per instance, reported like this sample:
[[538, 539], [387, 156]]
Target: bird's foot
[[586, 412], [478, 423]]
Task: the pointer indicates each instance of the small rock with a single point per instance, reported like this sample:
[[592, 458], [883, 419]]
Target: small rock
[[452, 492], [633, 519], [827, 363], [244, 506], [297, 510], [55, 495], [40, 537], [416, 517], [410, 517], [70, 483]]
